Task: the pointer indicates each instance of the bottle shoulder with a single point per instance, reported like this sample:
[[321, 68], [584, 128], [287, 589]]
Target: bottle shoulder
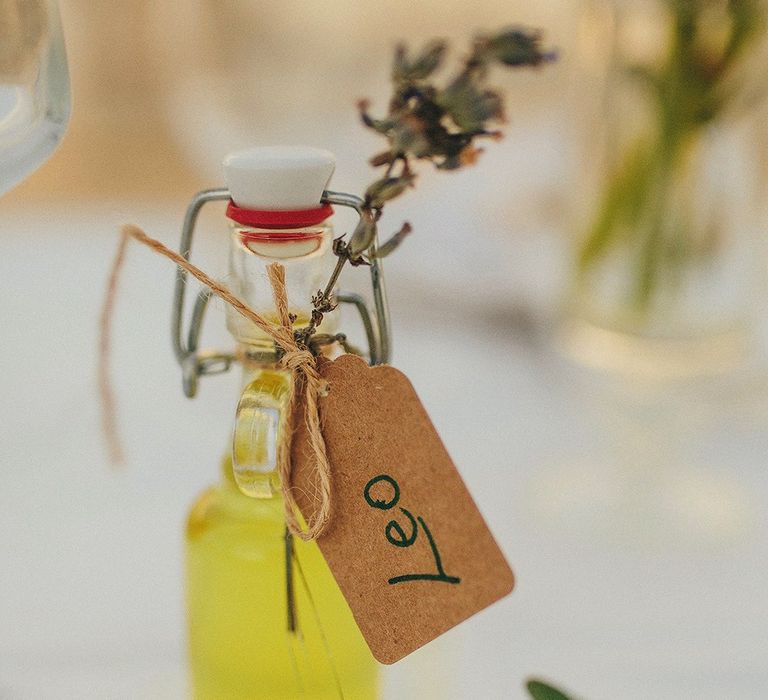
[[222, 509]]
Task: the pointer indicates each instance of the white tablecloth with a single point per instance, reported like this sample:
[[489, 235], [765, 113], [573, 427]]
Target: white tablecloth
[[634, 518]]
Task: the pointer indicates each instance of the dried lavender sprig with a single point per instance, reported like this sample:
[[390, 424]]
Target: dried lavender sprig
[[430, 122]]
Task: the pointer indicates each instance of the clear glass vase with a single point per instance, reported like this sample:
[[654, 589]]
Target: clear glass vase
[[671, 193], [34, 87]]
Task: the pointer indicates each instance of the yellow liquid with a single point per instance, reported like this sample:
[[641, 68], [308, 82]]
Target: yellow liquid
[[240, 645]]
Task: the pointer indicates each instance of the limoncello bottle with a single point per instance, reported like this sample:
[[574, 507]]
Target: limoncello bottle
[[266, 618]]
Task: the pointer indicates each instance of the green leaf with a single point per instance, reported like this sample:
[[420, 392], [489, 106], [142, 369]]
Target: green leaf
[[363, 235], [400, 64], [542, 691], [380, 125], [468, 106], [517, 47], [385, 189], [393, 243], [408, 135], [426, 63]]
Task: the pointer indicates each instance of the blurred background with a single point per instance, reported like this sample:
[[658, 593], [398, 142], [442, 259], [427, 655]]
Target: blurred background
[[582, 313]]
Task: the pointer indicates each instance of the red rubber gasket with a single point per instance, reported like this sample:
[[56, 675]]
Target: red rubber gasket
[[297, 218]]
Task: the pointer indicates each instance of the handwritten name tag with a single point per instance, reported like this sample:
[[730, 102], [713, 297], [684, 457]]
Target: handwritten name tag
[[406, 542]]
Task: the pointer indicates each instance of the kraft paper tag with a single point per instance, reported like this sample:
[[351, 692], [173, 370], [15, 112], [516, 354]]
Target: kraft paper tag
[[406, 542]]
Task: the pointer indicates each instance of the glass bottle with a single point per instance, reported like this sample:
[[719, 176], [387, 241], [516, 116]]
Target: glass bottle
[[34, 87], [266, 618]]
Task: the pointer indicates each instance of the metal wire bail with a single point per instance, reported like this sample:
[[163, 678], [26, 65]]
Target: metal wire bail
[[196, 363]]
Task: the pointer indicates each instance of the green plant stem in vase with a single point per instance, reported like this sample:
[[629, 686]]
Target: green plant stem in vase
[[678, 99]]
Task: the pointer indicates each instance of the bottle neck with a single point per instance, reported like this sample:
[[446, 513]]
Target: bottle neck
[[307, 257]]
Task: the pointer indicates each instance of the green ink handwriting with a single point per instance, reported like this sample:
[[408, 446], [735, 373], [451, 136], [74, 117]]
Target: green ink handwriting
[[377, 503], [440, 575], [387, 496], [394, 525]]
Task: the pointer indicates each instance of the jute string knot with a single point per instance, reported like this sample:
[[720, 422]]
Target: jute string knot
[[307, 384]]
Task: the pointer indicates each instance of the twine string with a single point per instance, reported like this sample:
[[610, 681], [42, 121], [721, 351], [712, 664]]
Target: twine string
[[297, 359]]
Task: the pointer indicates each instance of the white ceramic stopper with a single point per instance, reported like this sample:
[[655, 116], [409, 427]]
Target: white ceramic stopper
[[277, 178]]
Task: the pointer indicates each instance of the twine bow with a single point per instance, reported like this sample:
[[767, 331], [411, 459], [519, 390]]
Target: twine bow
[[296, 358]]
